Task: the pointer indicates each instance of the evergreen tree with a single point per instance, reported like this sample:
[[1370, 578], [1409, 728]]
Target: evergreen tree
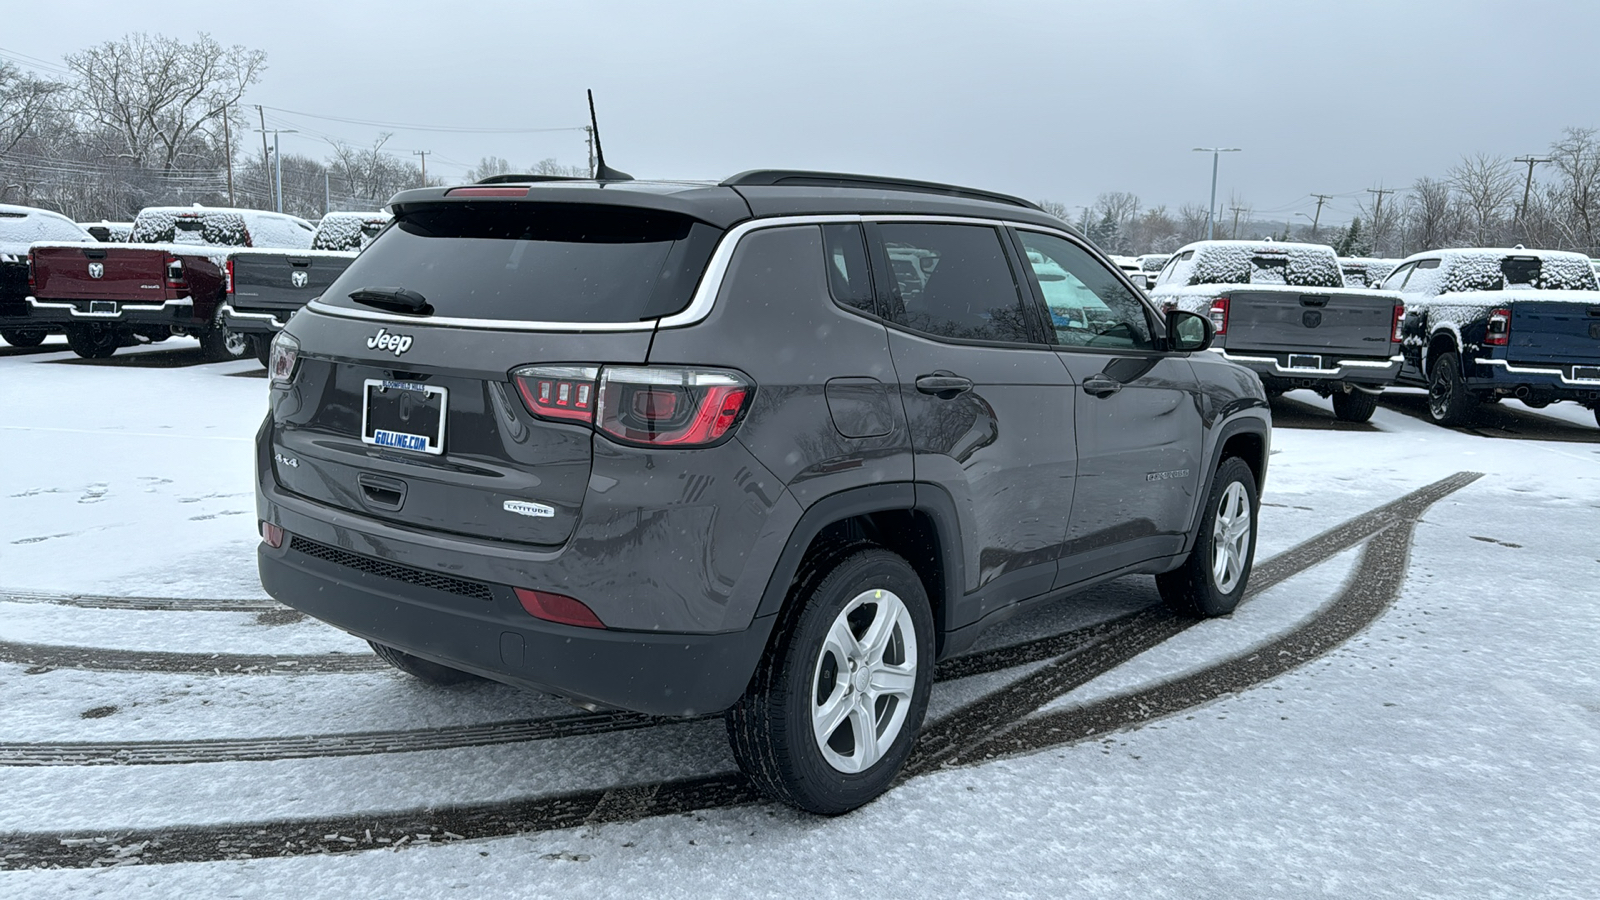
[[1353, 242]]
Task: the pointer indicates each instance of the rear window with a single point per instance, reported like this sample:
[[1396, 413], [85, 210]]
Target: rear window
[[536, 262]]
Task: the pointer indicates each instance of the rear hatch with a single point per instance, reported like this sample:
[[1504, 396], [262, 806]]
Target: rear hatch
[[1544, 332], [416, 419], [1332, 323], [283, 282], [91, 272]]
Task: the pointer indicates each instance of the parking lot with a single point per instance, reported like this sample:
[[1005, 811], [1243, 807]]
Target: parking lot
[[1406, 701]]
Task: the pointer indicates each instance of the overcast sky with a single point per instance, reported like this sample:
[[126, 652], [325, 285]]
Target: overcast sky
[[1056, 101]]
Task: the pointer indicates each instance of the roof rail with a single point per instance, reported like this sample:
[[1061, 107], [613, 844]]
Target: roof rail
[[525, 179], [801, 178]]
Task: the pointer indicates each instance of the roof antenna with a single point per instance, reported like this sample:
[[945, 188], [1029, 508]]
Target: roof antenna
[[602, 172]]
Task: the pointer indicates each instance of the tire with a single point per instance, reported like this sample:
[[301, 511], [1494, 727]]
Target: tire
[[1354, 406], [218, 344], [1197, 588], [777, 728], [93, 341], [1449, 402], [263, 349], [23, 337], [421, 669]]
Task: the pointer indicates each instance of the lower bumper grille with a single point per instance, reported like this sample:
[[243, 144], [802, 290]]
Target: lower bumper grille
[[393, 571]]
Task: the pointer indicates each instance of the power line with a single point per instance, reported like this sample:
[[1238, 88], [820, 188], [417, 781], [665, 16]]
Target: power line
[[411, 126]]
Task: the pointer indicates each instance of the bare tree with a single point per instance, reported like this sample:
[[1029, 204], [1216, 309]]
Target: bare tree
[[549, 166], [1055, 208], [1485, 185], [370, 175], [1576, 157], [24, 99], [157, 97], [488, 167], [1191, 223], [1431, 216]]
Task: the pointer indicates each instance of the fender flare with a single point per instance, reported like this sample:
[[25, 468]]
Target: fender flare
[[905, 496], [1239, 423]]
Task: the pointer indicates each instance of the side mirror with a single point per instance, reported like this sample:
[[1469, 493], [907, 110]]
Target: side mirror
[[1188, 332]]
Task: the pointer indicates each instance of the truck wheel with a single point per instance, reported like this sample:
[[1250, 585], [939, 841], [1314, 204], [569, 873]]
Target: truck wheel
[[419, 668], [835, 706], [263, 346], [23, 337], [1354, 406], [219, 344], [93, 341], [1212, 580], [1449, 401]]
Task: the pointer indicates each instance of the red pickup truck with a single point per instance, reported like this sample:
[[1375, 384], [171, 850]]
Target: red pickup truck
[[168, 278]]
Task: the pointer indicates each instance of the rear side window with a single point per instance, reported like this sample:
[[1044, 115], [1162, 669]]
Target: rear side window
[[849, 281], [536, 262], [952, 281]]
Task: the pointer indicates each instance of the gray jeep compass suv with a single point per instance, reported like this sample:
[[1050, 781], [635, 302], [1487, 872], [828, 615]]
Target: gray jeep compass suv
[[772, 447]]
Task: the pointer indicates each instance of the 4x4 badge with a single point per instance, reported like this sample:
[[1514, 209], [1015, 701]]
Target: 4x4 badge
[[394, 343]]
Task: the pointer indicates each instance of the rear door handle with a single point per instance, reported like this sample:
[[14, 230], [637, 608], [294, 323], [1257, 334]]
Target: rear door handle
[[1101, 386], [943, 384]]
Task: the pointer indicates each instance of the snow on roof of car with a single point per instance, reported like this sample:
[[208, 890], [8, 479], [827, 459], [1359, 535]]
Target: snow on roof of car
[[1239, 262], [347, 230], [1483, 269], [23, 226], [222, 226]]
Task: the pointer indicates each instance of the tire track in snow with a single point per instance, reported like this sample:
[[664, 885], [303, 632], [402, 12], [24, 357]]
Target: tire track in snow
[[41, 658], [1370, 591], [162, 604]]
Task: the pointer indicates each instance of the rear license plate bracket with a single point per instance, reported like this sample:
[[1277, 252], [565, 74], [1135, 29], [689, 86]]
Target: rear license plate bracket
[[404, 415], [1304, 361], [103, 307], [1586, 373]]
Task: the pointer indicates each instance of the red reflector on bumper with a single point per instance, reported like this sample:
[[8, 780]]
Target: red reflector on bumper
[[557, 608], [272, 534]]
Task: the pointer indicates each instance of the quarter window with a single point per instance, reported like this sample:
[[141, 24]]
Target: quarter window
[[952, 281], [1088, 305], [848, 278]]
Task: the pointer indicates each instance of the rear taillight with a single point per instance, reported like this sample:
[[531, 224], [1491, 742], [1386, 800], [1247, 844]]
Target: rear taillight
[[655, 406], [229, 286], [1499, 332], [557, 608], [280, 362], [272, 535], [1399, 319], [1219, 315], [31, 285], [175, 279]]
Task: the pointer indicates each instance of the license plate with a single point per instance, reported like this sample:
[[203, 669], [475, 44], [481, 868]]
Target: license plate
[[404, 415], [1304, 361], [1586, 373], [102, 307]]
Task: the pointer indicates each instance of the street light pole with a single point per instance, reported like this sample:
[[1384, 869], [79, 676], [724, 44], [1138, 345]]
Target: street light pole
[[277, 162], [1216, 153]]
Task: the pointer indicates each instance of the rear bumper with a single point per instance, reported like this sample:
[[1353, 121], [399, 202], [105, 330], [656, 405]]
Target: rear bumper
[[663, 674], [1556, 382], [111, 312], [1369, 372], [249, 321]]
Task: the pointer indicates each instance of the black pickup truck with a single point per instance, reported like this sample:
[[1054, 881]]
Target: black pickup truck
[[265, 287], [1282, 311], [1486, 324]]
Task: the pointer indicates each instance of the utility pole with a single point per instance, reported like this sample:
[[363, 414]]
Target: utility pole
[[327, 205], [424, 155], [1321, 199], [277, 162], [266, 163], [1236, 211], [1211, 225], [1377, 214], [227, 146], [1527, 186]]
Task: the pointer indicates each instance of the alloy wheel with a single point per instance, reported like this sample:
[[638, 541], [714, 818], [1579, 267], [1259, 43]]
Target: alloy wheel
[[1230, 538], [864, 680]]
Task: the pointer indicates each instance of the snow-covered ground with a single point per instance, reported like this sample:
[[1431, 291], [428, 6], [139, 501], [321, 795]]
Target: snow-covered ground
[[1450, 749]]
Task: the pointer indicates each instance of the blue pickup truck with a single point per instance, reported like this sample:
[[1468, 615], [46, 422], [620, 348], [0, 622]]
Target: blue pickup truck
[[1485, 324]]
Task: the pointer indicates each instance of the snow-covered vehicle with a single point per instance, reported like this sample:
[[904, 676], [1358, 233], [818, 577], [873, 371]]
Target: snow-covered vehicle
[[1151, 263], [108, 232], [1485, 324], [1365, 271], [1282, 311], [266, 286], [1130, 266], [167, 278], [20, 227]]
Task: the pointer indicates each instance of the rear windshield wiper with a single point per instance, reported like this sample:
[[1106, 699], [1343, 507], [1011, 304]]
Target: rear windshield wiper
[[396, 299]]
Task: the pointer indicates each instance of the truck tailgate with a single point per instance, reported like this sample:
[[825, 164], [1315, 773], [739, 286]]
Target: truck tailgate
[[1332, 323], [278, 281], [1544, 332], [115, 273]]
